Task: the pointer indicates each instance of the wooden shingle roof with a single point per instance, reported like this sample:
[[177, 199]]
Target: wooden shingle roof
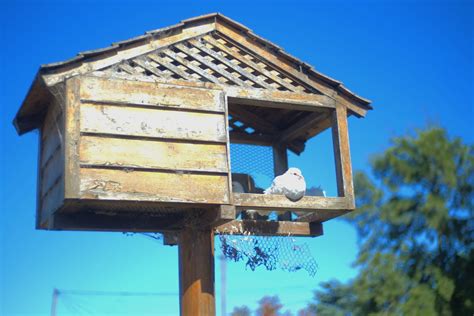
[[210, 48]]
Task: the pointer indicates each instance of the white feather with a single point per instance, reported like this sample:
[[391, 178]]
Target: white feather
[[290, 184]]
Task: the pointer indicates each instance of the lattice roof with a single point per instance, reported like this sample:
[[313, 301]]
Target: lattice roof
[[208, 49], [209, 58]]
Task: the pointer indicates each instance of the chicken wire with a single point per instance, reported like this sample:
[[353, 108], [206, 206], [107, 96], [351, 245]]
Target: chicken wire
[[254, 160], [270, 252]]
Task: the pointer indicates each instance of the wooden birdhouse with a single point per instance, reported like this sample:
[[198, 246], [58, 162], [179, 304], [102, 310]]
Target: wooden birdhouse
[[139, 136]]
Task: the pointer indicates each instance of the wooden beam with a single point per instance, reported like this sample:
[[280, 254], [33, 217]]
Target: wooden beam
[[243, 138], [250, 118], [216, 217], [170, 238], [299, 128], [281, 203], [196, 273], [279, 99], [270, 228], [321, 216], [342, 156]]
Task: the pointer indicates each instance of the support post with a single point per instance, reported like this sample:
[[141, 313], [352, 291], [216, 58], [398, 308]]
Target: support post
[[342, 156], [196, 272], [280, 165]]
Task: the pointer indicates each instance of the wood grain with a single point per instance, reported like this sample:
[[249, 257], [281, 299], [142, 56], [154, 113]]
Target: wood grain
[[153, 186], [342, 154], [149, 154], [52, 171], [131, 121], [196, 273], [150, 94], [281, 203]]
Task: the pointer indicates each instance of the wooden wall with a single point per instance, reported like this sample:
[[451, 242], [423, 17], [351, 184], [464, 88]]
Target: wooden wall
[[51, 163], [143, 141]]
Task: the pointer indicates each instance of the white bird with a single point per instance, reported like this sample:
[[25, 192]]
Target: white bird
[[290, 184]]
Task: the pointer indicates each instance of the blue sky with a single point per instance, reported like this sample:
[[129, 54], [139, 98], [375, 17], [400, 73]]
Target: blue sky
[[413, 59]]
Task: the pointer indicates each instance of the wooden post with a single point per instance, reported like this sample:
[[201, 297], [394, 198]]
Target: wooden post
[[342, 156], [280, 159], [280, 165], [196, 272]]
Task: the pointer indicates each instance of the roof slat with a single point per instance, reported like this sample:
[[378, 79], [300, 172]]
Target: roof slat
[[188, 64], [250, 63], [212, 66], [170, 66], [229, 64]]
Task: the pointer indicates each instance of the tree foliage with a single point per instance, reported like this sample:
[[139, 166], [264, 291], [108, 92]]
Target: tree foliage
[[416, 233]]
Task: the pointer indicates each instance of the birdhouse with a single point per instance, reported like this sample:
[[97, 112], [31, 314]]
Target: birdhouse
[[147, 134]]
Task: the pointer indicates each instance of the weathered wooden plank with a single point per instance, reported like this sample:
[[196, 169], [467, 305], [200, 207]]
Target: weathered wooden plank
[[52, 171], [54, 120], [188, 64], [212, 66], [71, 137], [111, 184], [280, 202], [227, 131], [270, 228], [321, 216], [150, 94], [279, 99], [132, 121], [250, 63], [51, 202], [229, 64], [342, 154], [149, 154], [50, 145]]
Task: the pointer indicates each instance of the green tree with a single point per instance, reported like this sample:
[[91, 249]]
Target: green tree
[[416, 233]]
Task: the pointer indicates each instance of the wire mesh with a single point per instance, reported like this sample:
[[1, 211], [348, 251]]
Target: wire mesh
[[270, 252], [255, 161]]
